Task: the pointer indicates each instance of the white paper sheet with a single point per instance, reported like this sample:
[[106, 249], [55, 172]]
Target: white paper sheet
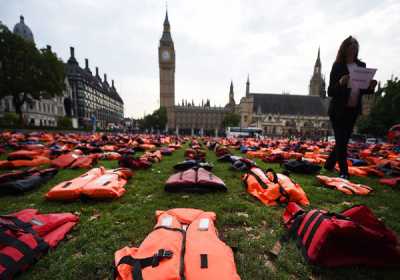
[[361, 77]]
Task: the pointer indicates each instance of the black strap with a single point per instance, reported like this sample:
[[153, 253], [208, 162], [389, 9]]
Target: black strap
[[67, 184], [313, 230], [10, 266], [29, 255], [139, 264], [365, 187], [196, 170], [203, 261], [350, 189], [284, 194], [261, 182], [307, 224], [273, 173], [295, 222]]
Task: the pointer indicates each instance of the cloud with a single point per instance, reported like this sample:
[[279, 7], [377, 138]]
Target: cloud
[[215, 41]]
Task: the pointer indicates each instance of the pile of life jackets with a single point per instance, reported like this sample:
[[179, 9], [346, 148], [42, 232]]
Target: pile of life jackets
[[74, 159], [237, 162], [26, 235], [195, 179], [26, 158], [97, 183], [155, 156], [195, 153], [353, 237], [167, 151], [301, 166], [184, 244], [134, 163], [21, 181], [191, 163], [273, 188], [221, 150], [343, 185]]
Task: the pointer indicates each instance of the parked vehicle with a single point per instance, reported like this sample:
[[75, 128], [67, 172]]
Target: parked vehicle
[[370, 141]]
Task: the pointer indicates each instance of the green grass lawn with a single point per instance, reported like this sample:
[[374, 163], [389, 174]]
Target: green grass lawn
[[106, 226]]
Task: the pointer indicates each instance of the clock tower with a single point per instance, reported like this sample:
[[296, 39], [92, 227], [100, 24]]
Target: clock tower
[[166, 60]]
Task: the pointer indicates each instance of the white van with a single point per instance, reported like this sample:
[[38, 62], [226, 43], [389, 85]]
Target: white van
[[370, 141]]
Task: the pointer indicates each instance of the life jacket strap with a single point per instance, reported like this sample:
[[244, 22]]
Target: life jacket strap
[[139, 264], [29, 254]]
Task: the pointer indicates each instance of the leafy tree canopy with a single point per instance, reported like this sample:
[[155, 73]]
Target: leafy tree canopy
[[157, 120], [385, 113], [231, 119], [27, 73]]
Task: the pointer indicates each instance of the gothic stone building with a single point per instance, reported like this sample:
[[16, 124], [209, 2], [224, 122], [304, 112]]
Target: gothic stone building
[[186, 118], [92, 96], [276, 114], [286, 114]]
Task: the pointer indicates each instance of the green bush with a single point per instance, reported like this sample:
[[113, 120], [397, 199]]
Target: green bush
[[64, 122], [10, 119]]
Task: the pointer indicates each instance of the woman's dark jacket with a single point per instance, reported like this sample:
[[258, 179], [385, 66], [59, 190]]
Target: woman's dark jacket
[[340, 94]]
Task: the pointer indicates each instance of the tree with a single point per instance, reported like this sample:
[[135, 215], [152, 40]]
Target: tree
[[385, 113], [27, 73], [64, 122], [231, 119], [158, 119], [9, 119]]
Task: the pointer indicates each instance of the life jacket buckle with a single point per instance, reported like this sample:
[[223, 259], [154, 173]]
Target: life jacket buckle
[[162, 254]]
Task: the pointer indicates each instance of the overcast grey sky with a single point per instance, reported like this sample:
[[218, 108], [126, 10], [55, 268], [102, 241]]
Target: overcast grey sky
[[276, 42]]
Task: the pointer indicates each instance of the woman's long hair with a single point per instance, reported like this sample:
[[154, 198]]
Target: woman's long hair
[[341, 55]]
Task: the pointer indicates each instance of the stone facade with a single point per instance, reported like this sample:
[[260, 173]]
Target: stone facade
[[284, 115], [92, 96], [44, 112], [276, 114], [317, 83]]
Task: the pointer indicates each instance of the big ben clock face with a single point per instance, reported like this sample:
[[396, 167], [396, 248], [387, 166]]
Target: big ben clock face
[[165, 56]]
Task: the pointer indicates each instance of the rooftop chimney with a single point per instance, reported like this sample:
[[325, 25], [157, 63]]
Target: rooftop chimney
[[21, 18], [86, 63], [112, 83], [97, 71], [105, 77], [72, 51]]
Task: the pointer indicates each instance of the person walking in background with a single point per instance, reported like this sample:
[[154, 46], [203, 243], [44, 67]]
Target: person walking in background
[[346, 102], [93, 120]]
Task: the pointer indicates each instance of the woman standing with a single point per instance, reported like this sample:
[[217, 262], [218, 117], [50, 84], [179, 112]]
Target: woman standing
[[346, 102]]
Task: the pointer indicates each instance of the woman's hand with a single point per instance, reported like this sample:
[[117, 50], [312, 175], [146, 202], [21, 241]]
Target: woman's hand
[[344, 80]]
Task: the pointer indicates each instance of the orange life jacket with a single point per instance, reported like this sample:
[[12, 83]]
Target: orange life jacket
[[96, 183], [69, 190], [273, 189], [343, 185], [35, 161], [256, 154], [355, 171], [183, 245], [109, 185]]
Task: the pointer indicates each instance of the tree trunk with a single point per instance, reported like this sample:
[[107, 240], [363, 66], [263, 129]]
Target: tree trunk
[[18, 107]]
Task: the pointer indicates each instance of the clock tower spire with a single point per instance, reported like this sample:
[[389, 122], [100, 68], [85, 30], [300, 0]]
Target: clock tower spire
[[166, 60]]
